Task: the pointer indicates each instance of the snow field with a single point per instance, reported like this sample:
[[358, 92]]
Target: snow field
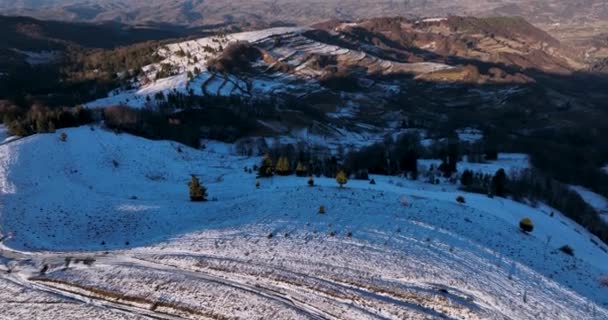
[[397, 249]]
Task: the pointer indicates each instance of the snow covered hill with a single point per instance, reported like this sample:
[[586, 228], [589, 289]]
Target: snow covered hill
[[288, 45], [100, 225], [378, 56]]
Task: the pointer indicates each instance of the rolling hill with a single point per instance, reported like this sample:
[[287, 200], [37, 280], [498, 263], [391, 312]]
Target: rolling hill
[[360, 79], [111, 233]]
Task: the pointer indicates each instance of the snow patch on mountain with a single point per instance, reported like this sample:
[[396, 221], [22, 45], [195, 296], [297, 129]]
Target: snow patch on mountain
[[40, 57], [469, 134], [439, 19]]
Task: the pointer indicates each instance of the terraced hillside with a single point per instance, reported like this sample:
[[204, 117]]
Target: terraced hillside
[[481, 51], [363, 78]]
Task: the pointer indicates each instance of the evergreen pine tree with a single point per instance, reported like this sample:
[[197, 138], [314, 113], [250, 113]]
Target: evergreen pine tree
[[301, 170], [266, 167], [41, 125], [444, 167], [467, 178], [409, 161], [283, 167], [499, 183], [341, 178], [198, 192]]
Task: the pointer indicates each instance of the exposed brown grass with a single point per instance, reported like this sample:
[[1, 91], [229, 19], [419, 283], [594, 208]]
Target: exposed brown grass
[[118, 297]]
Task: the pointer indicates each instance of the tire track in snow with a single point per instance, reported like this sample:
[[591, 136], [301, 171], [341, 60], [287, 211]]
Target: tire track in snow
[[89, 300], [290, 302], [28, 260], [360, 290]]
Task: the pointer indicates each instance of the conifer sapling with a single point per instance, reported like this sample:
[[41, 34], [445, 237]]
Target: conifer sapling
[[341, 178], [267, 167], [283, 167], [322, 209], [300, 170], [198, 192]]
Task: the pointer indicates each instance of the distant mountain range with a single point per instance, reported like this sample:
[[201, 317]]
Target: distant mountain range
[[199, 12], [582, 23]]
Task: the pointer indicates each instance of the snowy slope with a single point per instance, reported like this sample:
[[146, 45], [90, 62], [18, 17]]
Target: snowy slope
[[398, 249], [595, 200], [598, 202], [199, 52], [5, 135]]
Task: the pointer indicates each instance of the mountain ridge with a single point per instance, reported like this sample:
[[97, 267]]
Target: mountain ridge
[[197, 11]]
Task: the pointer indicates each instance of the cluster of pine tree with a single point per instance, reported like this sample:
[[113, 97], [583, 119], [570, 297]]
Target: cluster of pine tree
[[105, 64], [150, 124], [282, 167], [235, 58], [267, 169], [43, 119], [485, 183], [390, 157], [449, 160]]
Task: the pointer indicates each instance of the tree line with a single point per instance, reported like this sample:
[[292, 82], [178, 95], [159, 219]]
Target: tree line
[[400, 157], [41, 119]]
